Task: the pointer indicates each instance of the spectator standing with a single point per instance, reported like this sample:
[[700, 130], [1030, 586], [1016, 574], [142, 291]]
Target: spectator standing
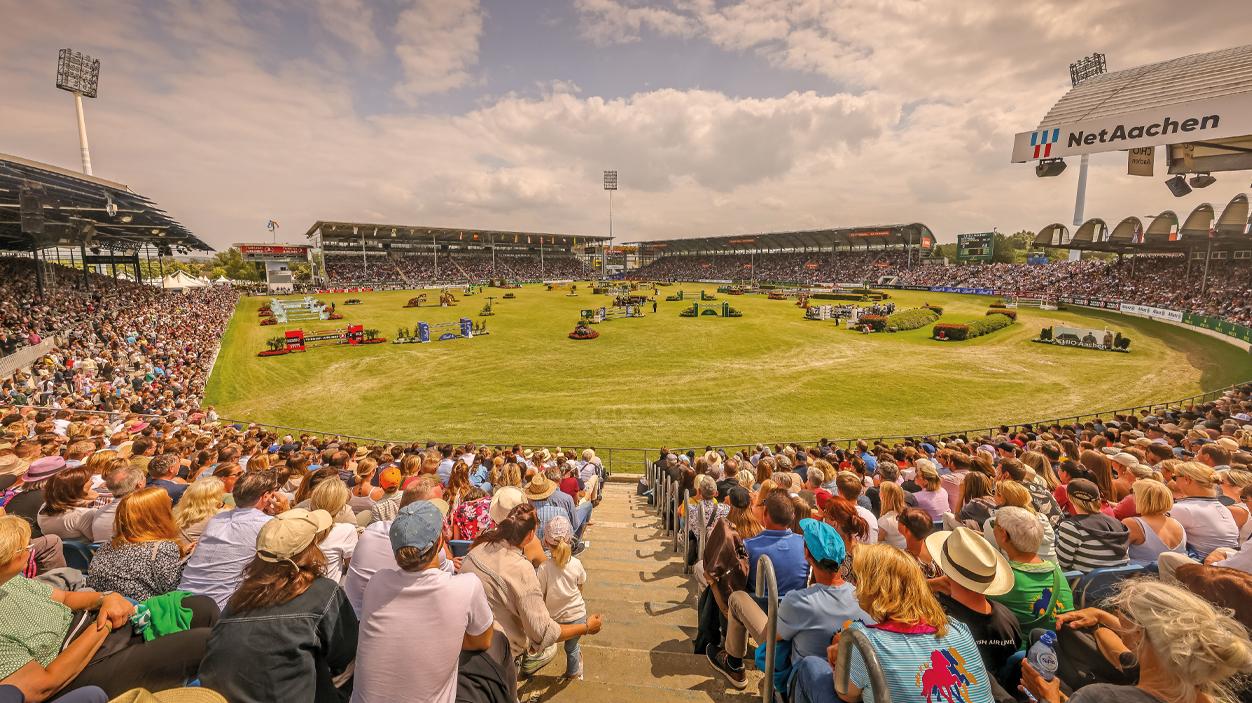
[[562, 577]]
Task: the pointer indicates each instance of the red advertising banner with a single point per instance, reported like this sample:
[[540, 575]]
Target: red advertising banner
[[272, 250]]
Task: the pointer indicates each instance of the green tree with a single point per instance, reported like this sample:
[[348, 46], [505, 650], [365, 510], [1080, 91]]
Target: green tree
[[233, 266]]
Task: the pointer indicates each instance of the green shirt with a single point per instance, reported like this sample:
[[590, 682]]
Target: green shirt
[[32, 625], [1033, 593]]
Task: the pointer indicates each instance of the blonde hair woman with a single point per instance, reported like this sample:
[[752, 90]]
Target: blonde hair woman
[[332, 495], [1153, 530], [1039, 464], [933, 498], [1232, 482], [1208, 523], [1017, 495], [892, 497], [200, 502], [912, 634], [1189, 651]]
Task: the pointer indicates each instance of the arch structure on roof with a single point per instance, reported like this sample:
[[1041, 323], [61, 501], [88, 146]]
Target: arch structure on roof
[[913, 235], [46, 207], [1163, 233], [1198, 107]]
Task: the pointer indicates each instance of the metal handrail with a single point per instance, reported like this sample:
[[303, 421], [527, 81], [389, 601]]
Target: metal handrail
[[767, 587], [683, 531], [848, 639]]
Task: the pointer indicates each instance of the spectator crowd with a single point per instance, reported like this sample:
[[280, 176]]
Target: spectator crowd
[[954, 557], [420, 269]]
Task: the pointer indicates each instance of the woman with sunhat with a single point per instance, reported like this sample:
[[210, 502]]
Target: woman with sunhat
[[972, 570], [288, 631], [30, 494]]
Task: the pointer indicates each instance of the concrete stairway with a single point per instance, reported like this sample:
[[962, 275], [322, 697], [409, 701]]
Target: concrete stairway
[[643, 654]]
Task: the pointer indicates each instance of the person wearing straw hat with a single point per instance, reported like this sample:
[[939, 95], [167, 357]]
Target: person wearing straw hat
[[548, 501], [289, 631], [972, 570]]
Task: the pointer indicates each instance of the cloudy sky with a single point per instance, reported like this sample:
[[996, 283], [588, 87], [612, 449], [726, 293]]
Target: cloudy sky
[[722, 116]]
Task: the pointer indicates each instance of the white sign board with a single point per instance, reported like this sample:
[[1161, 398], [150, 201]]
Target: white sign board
[[1198, 120], [1154, 313]]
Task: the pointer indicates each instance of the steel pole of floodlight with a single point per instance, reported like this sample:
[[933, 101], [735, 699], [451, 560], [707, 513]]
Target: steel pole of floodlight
[[82, 134], [1079, 71]]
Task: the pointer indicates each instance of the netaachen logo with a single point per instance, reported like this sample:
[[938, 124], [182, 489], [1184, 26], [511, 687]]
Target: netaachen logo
[[1121, 133]]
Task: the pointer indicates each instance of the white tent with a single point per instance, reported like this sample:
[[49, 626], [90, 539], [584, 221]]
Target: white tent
[[221, 281], [180, 281]]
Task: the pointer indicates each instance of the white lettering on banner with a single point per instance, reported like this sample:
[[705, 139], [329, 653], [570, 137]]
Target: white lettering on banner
[[1154, 313], [1196, 120]]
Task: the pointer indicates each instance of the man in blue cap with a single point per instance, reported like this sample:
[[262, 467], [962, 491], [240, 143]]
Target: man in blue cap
[[421, 606], [807, 617]]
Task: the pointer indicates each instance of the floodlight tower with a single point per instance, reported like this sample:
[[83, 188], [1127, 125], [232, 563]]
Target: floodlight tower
[[610, 184], [79, 74], [1079, 71]]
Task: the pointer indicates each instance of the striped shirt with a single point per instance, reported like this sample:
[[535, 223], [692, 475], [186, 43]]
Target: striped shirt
[[1089, 542]]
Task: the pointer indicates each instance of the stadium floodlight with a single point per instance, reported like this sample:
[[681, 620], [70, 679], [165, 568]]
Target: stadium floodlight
[[610, 184], [79, 74], [610, 180], [1202, 180], [1087, 67], [1178, 186], [1047, 168]]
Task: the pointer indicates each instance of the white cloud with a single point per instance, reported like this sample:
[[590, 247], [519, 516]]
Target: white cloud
[[437, 44], [606, 22], [350, 21]]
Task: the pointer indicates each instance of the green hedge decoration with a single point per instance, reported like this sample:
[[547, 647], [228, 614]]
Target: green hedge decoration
[[910, 319], [962, 331], [1007, 312]]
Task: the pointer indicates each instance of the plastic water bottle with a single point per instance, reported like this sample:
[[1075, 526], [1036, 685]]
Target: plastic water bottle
[[1042, 655]]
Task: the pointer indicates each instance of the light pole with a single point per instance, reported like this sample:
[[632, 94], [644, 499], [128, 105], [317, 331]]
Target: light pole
[[610, 184], [79, 74], [1083, 69]]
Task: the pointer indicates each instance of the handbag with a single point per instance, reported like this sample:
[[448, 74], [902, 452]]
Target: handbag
[[693, 543]]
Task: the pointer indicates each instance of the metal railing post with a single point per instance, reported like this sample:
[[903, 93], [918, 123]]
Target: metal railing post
[[848, 639], [767, 587]]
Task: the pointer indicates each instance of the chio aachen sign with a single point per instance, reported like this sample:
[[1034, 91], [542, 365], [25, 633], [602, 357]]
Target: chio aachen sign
[[1198, 120]]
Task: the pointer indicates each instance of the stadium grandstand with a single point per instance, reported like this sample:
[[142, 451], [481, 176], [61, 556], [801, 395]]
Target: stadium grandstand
[[847, 254], [150, 544], [407, 256]]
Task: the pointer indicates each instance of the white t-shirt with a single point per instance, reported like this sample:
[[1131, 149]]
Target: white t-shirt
[[338, 548], [561, 592], [373, 554], [405, 613], [872, 537]]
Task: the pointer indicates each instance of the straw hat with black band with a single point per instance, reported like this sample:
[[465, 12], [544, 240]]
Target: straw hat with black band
[[969, 560], [540, 488]]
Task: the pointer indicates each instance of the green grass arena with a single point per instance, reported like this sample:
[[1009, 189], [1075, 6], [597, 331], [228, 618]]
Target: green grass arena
[[667, 380]]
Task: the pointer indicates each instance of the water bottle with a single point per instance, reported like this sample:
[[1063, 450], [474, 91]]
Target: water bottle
[[1042, 655]]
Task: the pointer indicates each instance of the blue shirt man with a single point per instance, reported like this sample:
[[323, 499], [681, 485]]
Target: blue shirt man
[[784, 548]]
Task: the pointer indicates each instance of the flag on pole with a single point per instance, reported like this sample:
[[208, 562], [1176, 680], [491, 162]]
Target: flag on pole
[[272, 225]]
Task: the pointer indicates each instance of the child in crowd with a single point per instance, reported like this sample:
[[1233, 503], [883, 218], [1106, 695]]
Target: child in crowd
[[562, 578]]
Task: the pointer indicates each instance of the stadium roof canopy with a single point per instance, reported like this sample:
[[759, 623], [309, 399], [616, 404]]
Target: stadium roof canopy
[[1203, 228], [422, 234], [914, 234], [44, 206], [1200, 106]]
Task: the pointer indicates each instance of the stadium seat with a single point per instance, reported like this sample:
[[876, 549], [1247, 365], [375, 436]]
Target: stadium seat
[[1093, 587], [77, 554]]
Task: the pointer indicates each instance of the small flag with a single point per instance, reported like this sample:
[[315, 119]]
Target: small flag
[[271, 225]]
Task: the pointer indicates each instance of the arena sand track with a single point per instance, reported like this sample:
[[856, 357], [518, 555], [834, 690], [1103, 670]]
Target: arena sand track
[[667, 380]]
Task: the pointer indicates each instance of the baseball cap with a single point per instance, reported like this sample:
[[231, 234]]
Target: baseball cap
[[503, 502], [418, 524], [823, 542], [1084, 490], [389, 479], [290, 533]]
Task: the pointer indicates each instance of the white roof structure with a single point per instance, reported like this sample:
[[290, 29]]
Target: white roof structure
[[181, 281], [1202, 101]]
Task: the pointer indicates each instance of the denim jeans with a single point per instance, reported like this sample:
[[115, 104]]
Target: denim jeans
[[573, 654], [582, 513], [813, 681]]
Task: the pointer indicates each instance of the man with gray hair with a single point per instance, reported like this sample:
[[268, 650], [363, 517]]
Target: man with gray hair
[[1040, 590], [121, 480]]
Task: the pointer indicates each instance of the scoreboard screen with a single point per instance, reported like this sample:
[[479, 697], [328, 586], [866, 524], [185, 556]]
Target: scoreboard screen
[[977, 246]]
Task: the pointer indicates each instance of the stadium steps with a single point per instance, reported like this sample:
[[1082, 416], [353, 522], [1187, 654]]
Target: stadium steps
[[643, 654]]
